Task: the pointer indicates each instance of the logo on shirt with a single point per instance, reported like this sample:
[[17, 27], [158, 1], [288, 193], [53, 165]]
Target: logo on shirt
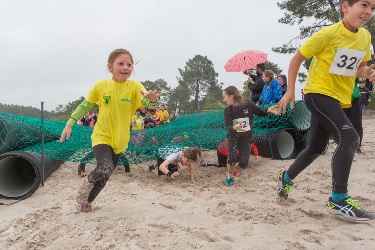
[[126, 100], [245, 111], [107, 100]]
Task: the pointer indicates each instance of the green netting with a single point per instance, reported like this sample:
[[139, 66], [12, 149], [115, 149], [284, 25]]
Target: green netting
[[205, 130]]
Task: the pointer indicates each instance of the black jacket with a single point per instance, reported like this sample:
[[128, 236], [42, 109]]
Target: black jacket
[[247, 110], [256, 88]]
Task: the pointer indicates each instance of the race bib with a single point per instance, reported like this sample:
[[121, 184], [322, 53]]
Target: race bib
[[244, 122], [346, 62]]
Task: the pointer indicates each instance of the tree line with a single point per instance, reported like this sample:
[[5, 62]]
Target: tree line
[[198, 90]]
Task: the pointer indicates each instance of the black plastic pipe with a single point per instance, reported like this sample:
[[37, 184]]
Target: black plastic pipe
[[21, 173]]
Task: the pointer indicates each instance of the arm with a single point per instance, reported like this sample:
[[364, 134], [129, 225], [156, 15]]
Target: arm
[[294, 66], [192, 172], [257, 86], [228, 120], [150, 99], [163, 167], [80, 111], [255, 152]]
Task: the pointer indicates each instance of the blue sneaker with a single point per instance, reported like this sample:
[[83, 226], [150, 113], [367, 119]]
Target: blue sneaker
[[229, 181], [151, 168]]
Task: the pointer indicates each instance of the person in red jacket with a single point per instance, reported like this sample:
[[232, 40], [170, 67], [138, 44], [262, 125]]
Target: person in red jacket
[[222, 155]]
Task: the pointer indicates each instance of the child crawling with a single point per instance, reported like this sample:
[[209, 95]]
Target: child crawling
[[182, 160]]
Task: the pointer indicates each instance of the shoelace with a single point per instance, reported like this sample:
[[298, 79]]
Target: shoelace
[[287, 189], [353, 203]]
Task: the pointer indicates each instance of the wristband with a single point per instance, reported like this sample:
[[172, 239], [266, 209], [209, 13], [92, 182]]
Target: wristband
[[169, 173]]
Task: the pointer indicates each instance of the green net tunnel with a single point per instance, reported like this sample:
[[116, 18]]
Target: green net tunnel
[[277, 137]]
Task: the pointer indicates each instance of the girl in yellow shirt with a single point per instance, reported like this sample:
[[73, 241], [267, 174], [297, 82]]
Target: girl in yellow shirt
[[117, 98]]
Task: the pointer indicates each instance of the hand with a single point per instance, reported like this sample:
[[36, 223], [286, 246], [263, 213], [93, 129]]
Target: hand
[[151, 95], [238, 127], [284, 102], [175, 174], [66, 133], [370, 72], [257, 157], [274, 110]]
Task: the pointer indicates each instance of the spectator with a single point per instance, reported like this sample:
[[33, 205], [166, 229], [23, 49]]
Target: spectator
[[365, 95], [137, 121], [283, 82], [163, 115], [272, 89], [255, 83], [148, 121]]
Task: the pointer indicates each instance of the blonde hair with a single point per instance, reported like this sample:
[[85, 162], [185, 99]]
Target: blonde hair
[[270, 74]]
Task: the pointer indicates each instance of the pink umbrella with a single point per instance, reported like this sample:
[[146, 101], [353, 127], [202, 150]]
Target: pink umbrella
[[245, 60]]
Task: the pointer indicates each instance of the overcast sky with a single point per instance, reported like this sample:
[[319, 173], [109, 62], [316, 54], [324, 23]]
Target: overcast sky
[[53, 51]]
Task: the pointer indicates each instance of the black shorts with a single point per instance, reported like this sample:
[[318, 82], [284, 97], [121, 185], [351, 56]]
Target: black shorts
[[171, 167]]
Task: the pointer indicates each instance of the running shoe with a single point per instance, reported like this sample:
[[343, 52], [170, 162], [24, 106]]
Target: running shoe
[[151, 168], [81, 168], [84, 191], [284, 188], [349, 209], [236, 174], [86, 208], [229, 181]]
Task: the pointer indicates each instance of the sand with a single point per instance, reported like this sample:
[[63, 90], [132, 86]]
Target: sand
[[143, 212]]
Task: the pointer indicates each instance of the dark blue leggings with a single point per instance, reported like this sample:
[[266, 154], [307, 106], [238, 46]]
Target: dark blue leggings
[[106, 161], [328, 118]]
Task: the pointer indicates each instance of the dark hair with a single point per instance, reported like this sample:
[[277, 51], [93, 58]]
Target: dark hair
[[237, 98], [192, 153], [350, 2], [261, 66]]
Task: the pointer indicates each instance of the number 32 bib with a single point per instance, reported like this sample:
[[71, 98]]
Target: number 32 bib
[[346, 62], [244, 122]]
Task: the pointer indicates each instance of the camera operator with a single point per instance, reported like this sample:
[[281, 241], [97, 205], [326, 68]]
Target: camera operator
[[255, 82]]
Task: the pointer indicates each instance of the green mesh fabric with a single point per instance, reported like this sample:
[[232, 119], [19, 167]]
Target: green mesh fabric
[[205, 130]]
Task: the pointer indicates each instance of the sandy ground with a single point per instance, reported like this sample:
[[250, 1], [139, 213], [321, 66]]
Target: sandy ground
[[143, 212]]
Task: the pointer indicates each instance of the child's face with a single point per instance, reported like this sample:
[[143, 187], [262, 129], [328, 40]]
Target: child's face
[[228, 99], [121, 68], [281, 80], [162, 108], [186, 160], [358, 14]]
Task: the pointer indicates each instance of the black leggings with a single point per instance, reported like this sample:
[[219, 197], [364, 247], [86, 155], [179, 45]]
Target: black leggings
[[328, 118], [238, 144], [355, 116], [106, 161]]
